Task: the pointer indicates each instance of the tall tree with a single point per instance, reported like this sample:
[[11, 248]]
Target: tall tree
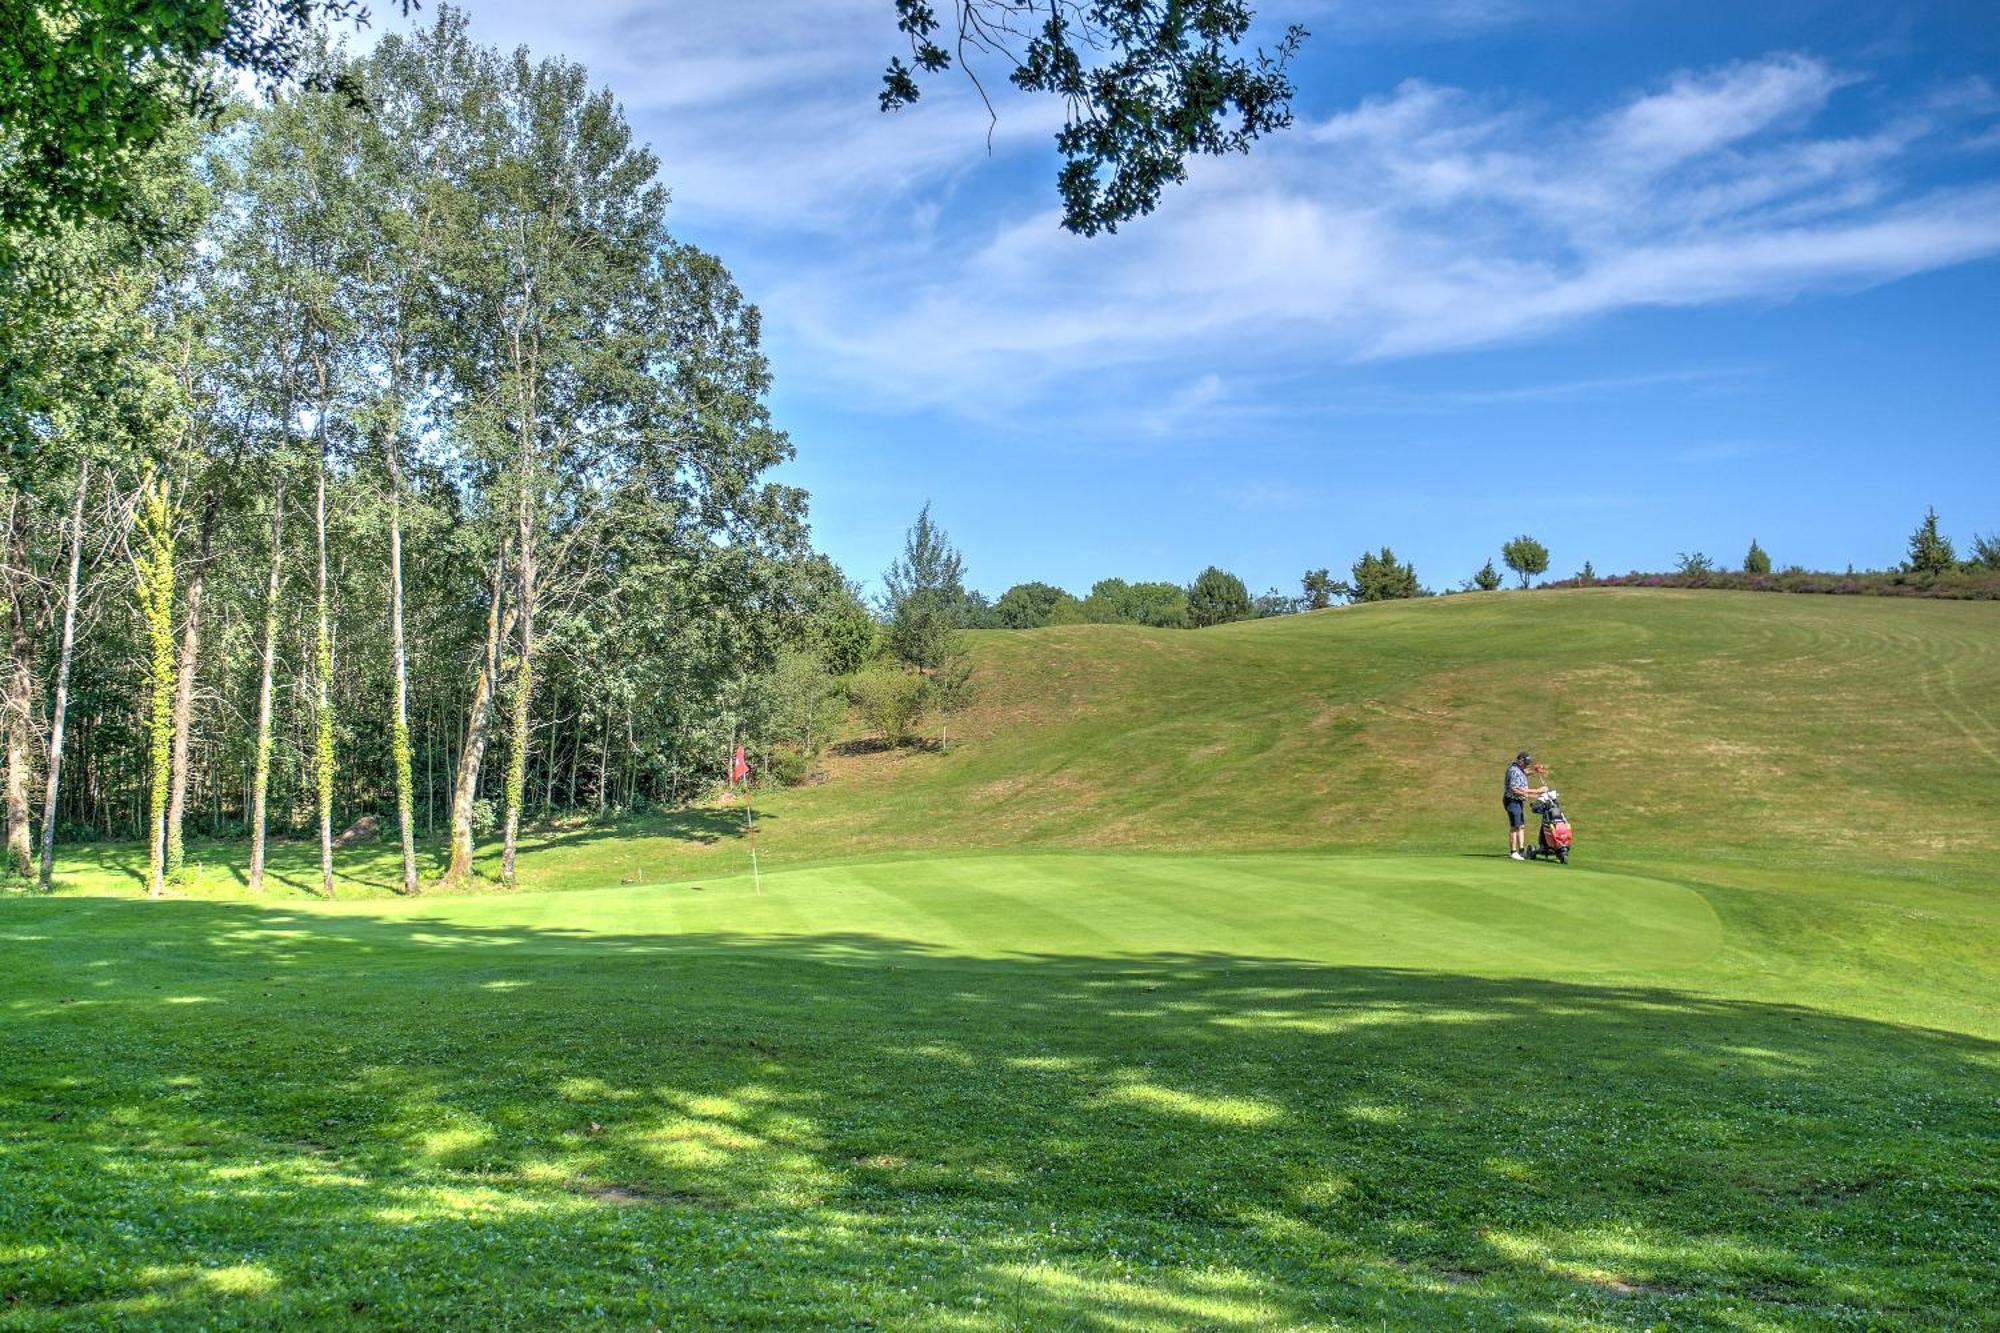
[[59, 710], [1527, 557], [155, 520]]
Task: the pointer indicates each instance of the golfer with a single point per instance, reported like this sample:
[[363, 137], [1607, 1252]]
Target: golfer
[[1515, 796]]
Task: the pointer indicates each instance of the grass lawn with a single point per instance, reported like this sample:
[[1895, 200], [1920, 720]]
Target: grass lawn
[[1187, 991], [1099, 1091]]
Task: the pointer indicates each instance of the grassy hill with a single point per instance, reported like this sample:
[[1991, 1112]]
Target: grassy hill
[[1187, 990], [1740, 728]]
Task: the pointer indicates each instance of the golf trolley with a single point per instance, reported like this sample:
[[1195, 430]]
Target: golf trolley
[[1552, 839]]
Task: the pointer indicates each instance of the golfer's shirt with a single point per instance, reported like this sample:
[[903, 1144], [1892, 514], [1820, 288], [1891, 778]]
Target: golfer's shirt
[[1517, 780]]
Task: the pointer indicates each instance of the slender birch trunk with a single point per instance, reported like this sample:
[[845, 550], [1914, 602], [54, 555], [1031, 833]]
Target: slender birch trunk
[[465, 789], [184, 692], [20, 702], [66, 653], [260, 782], [399, 740], [322, 674]]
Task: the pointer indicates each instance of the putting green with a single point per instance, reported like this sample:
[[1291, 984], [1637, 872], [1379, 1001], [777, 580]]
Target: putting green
[[1464, 913]]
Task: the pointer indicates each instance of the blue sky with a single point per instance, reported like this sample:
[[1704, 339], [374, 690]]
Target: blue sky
[[1637, 278]]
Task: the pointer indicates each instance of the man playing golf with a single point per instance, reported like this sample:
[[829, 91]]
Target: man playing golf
[[1515, 796]]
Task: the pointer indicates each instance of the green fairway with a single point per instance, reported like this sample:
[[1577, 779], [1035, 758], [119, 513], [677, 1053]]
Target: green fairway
[[1482, 913], [1088, 1091], [1189, 990]]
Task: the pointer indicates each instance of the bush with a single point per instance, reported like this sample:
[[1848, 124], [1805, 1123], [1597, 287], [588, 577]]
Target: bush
[[787, 767], [1487, 579], [484, 818], [891, 702], [1758, 560]]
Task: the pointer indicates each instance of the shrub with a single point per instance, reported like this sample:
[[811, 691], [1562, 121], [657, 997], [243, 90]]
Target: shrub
[[786, 766], [484, 818], [1985, 552], [1931, 552], [1487, 579], [1586, 576], [1758, 560], [1693, 565], [890, 701]]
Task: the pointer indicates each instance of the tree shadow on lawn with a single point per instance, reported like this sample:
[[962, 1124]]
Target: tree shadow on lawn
[[212, 1110], [293, 863]]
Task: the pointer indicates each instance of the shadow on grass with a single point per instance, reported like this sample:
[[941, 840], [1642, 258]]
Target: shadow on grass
[[293, 863], [215, 1111]]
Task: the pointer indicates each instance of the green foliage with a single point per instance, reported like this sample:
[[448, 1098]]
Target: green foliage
[[485, 817], [1273, 602], [1320, 589], [1487, 579], [1931, 551], [154, 521], [890, 701], [1757, 560], [1379, 577], [1029, 606], [787, 767], [1985, 551], [1587, 575], [1217, 597], [1145, 84], [1159, 604], [1526, 557], [1693, 564]]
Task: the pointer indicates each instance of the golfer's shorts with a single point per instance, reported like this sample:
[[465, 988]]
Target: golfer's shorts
[[1517, 814]]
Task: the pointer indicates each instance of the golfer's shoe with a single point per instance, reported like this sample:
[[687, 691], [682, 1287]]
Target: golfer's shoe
[[1515, 856]]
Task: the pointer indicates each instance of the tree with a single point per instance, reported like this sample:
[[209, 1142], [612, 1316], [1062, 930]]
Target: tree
[[891, 701], [1272, 602], [950, 688], [1217, 597], [1526, 557], [1587, 575], [1320, 589], [1028, 605], [1757, 560], [1145, 84], [86, 90], [1931, 552], [1487, 579], [1379, 577], [1158, 604], [153, 567], [1693, 564], [928, 578], [1986, 551]]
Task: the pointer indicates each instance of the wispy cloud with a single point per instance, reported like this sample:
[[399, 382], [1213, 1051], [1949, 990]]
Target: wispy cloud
[[1423, 220]]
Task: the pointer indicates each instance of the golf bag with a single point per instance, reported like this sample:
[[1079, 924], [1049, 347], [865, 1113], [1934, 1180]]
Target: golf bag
[[1552, 839]]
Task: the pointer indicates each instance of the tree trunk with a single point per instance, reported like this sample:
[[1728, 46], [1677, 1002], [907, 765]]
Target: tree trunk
[[155, 584], [524, 680], [260, 781], [399, 739], [20, 701], [322, 673], [61, 710], [184, 692], [478, 722]]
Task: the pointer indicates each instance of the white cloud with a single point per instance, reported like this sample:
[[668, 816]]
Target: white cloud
[[1415, 222]]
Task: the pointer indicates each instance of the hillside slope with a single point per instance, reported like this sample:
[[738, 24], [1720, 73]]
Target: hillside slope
[[1677, 723], [1771, 733]]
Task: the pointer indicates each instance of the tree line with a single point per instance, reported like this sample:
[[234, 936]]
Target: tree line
[[401, 460]]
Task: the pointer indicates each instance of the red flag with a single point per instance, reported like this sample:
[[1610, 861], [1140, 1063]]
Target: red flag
[[739, 767]]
